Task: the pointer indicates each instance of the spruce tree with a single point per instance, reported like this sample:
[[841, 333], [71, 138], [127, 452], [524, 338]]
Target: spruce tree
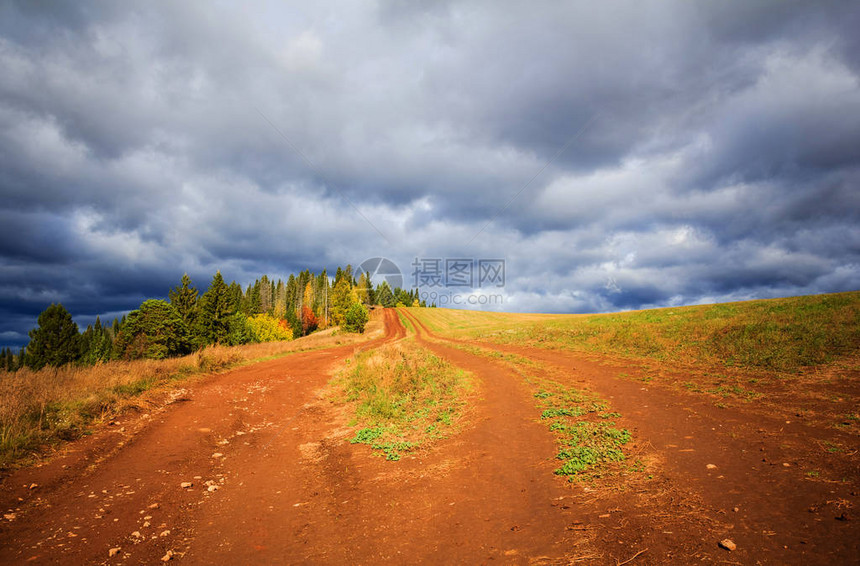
[[21, 360], [234, 291], [292, 296], [215, 309], [184, 300], [384, 296], [342, 298], [8, 362], [254, 299], [156, 331], [56, 340]]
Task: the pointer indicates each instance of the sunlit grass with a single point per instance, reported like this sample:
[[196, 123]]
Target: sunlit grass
[[782, 335], [403, 397]]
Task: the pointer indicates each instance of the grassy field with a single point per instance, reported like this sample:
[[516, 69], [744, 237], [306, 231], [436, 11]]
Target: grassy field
[[779, 335], [45, 407], [403, 397]]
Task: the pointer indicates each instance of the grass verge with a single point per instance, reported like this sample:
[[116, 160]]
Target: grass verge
[[404, 397]]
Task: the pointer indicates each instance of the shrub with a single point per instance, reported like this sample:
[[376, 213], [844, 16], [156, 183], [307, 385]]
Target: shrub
[[267, 328], [356, 318]]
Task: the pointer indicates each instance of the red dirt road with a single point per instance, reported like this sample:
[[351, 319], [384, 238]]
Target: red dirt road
[[276, 482], [759, 492]]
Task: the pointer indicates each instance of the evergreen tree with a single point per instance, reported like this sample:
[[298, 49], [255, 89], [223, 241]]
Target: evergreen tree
[[239, 332], [101, 344], [213, 314], [21, 360], [8, 360], [85, 344], [55, 341], [364, 289], [254, 299], [355, 318], [184, 300], [156, 331], [342, 298], [292, 298], [236, 297], [295, 323], [384, 296]]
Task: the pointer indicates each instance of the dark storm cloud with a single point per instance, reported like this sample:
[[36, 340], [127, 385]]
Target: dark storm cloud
[[710, 151]]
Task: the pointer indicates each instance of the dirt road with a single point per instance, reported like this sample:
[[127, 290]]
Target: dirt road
[[783, 491], [274, 481]]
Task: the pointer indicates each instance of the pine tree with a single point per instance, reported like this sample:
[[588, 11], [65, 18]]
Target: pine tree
[[384, 296], [342, 298], [236, 297], [21, 360], [355, 318], [214, 311], [8, 361], [292, 296], [56, 340], [364, 289], [102, 344], [253, 300], [184, 300], [156, 331]]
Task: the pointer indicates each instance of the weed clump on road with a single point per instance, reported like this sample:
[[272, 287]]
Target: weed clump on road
[[588, 441], [404, 397]]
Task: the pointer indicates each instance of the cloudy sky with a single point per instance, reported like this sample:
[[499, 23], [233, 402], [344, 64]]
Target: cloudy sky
[[618, 155]]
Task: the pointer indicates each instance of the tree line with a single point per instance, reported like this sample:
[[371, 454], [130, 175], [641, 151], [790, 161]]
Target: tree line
[[266, 310]]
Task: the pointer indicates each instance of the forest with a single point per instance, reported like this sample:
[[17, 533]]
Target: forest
[[266, 310]]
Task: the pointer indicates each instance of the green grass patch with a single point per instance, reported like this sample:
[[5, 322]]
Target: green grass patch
[[404, 397], [588, 440], [735, 391]]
